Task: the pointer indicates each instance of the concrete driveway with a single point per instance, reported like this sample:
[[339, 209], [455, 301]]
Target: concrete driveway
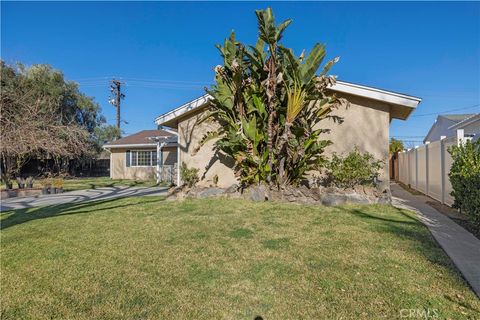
[[80, 196]]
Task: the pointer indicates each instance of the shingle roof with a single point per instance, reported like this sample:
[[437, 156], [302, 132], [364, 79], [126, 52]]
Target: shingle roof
[[141, 137], [457, 117]]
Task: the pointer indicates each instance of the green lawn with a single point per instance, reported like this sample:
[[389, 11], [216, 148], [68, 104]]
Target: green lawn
[[92, 183], [146, 258]]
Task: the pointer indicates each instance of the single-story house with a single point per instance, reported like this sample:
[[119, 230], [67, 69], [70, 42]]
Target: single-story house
[[446, 125], [366, 126], [145, 155]]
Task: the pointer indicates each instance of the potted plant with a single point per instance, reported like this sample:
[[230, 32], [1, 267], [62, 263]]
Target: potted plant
[[20, 182], [29, 182], [58, 185], [46, 184]]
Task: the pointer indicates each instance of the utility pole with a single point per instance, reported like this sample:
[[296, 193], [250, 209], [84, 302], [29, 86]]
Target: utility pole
[[115, 88]]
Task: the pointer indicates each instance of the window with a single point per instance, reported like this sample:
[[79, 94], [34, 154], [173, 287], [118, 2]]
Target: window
[[143, 158]]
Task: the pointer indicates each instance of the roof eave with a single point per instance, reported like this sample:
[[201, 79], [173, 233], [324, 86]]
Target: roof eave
[[406, 102], [129, 145], [465, 122]]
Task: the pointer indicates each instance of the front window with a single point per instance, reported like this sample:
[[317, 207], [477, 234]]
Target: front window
[[143, 158]]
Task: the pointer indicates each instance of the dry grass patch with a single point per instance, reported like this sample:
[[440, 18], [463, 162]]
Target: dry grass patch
[[143, 258]]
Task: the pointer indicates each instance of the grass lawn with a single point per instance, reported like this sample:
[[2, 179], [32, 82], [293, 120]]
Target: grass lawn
[[145, 258], [92, 183]]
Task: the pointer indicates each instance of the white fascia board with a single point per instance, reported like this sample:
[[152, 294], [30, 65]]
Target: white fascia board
[[376, 94], [165, 139], [171, 131], [143, 145], [177, 112], [465, 122], [340, 86]]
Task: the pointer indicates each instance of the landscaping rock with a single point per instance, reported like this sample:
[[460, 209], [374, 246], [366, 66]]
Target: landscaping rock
[[232, 189], [328, 196], [332, 199], [258, 193], [210, 192]]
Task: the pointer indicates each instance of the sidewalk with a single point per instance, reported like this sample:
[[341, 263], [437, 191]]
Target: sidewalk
[[80, 196], [460, 245]]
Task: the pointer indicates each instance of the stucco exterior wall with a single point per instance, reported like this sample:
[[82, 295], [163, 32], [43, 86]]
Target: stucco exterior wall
[[190, 132], [366, 125], [119, 169]]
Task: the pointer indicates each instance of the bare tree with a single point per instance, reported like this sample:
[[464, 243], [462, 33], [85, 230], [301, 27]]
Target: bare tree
[[32, 126]]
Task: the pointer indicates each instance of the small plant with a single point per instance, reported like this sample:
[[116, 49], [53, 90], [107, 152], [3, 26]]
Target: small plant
[[47, 182], [58, 183], [29, 182], [46, 185], [20, 182], [352, 170], [189, 175], [8, 184], [465, 179], [215, 180]]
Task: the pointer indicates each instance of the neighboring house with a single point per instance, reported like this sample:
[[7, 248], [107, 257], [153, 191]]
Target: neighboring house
[[135, 156], [444, 126], [470, 126], [366, 125]]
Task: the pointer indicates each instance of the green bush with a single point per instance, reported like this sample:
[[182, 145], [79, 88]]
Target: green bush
[[353, 169], [189, 175], [465, 179]]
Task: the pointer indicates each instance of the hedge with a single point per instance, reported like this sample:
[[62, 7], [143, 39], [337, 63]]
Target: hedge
[[465, 179]]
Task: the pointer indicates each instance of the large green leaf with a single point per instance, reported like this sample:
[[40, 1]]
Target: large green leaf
[[312, 63]]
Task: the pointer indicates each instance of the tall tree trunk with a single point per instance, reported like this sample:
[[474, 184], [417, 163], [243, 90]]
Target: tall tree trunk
[[283, 154], [271, 92]]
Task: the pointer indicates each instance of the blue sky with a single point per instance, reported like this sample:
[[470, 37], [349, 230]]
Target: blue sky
[[164, 51]]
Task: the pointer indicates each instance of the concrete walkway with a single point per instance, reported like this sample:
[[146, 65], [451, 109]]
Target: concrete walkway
[[460, 245], [80, 196]]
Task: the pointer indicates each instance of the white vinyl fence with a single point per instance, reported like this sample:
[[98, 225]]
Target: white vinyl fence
[[425, 168]]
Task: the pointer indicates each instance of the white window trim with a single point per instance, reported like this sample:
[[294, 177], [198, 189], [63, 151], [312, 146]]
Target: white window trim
[[147, 150]]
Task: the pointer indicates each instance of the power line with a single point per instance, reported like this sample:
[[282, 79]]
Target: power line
[[444, 111], [140, 80]]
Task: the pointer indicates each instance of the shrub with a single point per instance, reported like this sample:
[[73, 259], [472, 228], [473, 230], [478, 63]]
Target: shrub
[[46, 183], [58, 183], [465, 179], [353, 169], [189, 175]]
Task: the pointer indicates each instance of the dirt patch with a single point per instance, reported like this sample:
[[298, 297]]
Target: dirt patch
[[410, 190]]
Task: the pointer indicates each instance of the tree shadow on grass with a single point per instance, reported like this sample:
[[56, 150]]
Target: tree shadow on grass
[[20, 216]]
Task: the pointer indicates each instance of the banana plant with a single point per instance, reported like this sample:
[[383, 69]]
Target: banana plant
[[268, 105]]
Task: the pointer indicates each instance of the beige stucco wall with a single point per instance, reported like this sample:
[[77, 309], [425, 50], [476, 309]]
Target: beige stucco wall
[[366, 125], [190, 133], [119, 170]]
